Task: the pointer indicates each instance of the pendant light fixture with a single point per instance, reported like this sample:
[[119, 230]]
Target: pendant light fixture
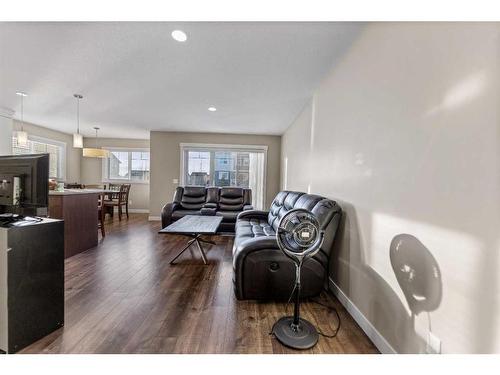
[[77, 137], [22, 136], [95, 152]]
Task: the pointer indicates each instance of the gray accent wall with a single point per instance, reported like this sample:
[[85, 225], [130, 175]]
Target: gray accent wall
[[404, 134], [165, 161]]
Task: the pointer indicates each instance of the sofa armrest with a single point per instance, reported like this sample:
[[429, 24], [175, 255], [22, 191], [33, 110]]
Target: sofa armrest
[[257, 243], [253, 214], [245, 248], [208, 211], [210, 205], [166, 213], [251, 245], [247, 207]]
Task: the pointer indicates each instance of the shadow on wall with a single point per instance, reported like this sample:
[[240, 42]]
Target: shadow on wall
[[417, 273]]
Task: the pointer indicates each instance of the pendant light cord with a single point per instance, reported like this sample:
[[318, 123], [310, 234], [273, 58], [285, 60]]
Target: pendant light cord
[[96, 143], [78, 97], [77, 115], [22, 113]]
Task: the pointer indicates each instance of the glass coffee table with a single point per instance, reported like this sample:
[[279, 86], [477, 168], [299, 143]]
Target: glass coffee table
[[194, 226]]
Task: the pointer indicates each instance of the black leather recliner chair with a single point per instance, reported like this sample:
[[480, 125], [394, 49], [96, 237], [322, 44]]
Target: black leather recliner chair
[[188, 200], [232, 201], [227, 202], [261, 270]]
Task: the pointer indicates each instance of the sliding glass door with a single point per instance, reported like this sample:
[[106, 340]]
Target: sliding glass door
[[223, 165]]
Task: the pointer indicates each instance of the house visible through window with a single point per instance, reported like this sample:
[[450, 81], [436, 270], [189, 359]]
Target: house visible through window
[[56, 151], [198, 168], [225, 166], [126, 165]]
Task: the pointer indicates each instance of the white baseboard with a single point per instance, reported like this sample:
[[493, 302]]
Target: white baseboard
[[154, 218], [378, 340], [138, 210], [134, 210]]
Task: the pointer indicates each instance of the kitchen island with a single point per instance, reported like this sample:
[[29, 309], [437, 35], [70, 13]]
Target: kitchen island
[[78, 208]]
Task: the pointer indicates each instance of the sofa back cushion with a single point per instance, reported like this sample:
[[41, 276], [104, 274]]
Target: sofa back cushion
[[193, 197], [231, 199], [213, 195], [282, 203]]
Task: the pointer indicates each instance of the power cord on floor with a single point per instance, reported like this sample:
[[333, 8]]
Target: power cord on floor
[[330, 308]]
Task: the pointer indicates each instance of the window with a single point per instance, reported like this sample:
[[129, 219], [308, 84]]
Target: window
[[56, 151], [129, 165], [198, 168], [225, 165]]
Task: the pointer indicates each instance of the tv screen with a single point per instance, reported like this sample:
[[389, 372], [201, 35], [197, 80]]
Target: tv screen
[[29, 174]]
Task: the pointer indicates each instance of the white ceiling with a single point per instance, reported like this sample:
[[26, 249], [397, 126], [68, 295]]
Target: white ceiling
[[135, 78]]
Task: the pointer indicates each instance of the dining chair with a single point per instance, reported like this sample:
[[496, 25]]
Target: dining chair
[[109, 197], [118, 199]]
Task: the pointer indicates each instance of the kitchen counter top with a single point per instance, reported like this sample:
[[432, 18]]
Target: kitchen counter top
[[75, 191]]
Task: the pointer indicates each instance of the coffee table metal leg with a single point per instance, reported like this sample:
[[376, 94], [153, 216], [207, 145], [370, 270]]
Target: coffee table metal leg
[[197, 238], [190, 242], [206, 241], [201, 250]]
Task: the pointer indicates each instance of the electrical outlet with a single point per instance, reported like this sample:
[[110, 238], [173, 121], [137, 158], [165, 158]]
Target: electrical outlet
[[175, 181], [433, 344], [130, 201]]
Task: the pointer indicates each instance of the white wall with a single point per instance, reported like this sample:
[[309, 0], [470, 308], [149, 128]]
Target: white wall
[[5, 131], [404, 134]]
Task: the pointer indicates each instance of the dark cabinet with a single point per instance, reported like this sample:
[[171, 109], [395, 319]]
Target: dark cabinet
[[31, 282]]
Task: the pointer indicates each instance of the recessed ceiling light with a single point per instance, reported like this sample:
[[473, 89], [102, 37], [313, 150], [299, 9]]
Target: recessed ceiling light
[[179, 35], [212, 109], [21, 93]]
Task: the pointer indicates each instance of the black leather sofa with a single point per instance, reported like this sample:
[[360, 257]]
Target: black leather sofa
[[261, 270], [227, 202]]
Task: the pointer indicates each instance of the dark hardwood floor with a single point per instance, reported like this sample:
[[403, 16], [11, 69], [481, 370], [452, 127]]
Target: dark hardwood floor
[[124, 297]]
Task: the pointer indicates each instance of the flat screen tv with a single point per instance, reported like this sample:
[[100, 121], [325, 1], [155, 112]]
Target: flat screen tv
[[24, 183]]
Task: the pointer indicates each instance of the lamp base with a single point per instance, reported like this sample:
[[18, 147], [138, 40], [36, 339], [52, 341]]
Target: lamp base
[[303, 337]]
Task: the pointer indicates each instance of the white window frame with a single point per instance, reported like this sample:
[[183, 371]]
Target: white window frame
[[222, 147], [61, 165], [121, 181]]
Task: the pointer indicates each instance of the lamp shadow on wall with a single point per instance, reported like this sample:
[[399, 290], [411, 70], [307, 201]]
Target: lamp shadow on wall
[[373, 296]]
